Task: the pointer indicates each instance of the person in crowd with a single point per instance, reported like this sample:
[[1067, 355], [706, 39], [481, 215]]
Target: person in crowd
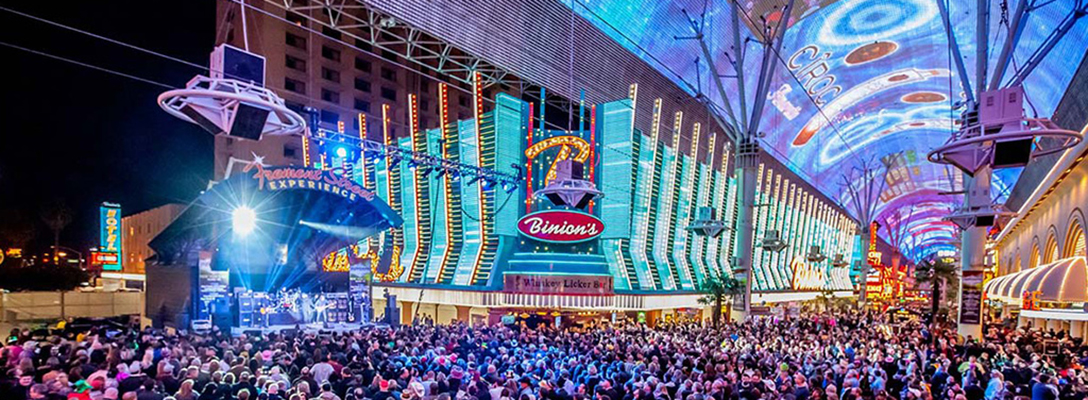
[[816, 356]]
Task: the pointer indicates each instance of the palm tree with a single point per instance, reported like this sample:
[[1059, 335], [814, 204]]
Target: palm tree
[[941, 275], [56, 216], [716, 289]]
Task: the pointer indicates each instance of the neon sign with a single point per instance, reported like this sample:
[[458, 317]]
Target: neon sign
[[329, 180], [565, 143], [110, 234], [558, 226]]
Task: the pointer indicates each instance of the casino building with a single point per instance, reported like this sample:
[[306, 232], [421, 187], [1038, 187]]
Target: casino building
[[470, 249]]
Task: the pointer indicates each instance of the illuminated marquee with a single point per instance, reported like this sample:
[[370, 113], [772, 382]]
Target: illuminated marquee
[[329, 180], [110, 234], [565, 143]]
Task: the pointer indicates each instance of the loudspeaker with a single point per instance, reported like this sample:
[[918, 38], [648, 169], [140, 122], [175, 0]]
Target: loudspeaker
[[584, 200], [555, 199], [984, 220], [249, 120], [569, 169], [1013, 153], [233, 63], [200, 120]]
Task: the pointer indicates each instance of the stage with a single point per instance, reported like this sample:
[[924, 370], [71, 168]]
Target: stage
[[307, 328]]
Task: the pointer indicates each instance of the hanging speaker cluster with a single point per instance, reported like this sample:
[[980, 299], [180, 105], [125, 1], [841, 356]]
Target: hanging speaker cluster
[[570, 188]]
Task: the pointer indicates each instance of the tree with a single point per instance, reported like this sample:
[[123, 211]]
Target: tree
[[940, 275], [716, 289], [863, 185], [56, 216], [16, 230]]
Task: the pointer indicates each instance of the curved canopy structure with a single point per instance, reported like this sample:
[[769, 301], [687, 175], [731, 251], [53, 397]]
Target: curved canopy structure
[[855, 82], [1063, 281], [294, 213]]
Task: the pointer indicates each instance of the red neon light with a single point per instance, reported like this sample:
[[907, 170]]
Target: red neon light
[[529, 164]]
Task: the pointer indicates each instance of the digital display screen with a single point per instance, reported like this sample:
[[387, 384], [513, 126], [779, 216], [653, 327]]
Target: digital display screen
[[855, 82]]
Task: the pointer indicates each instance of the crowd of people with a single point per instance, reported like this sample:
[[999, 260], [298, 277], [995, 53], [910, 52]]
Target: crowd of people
[[812, 357]]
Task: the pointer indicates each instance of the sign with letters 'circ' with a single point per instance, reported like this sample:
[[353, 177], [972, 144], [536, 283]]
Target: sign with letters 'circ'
[[560, 226]]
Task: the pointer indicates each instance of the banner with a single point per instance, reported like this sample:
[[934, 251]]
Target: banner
[[971, 298], [558, 284], [359, 292]]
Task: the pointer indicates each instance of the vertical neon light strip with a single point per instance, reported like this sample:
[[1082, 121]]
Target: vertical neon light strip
[[686, 195], [411, 255], [362, 160], [444, 119], [719, 252], [777, 265], [391, 174], [306, 151], [478, 100], [592, 167], [644, 196], [794, 215], [707, 199], [761, 225], [663, 232]]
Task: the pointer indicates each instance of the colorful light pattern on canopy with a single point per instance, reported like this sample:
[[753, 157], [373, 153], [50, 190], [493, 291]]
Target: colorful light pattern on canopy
[[855, 80]]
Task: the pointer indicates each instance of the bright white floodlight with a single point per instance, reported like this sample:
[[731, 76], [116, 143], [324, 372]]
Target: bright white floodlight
[[244, 220]]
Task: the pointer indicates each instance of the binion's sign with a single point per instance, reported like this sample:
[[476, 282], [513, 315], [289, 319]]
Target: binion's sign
[[560, 226], [109, 231]]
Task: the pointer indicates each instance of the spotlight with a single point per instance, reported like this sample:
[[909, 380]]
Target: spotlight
[[341, 152], [393, 164], [489, 182], [474, 180], [455, 175], [441, 173], [509, 187], [244, 220]]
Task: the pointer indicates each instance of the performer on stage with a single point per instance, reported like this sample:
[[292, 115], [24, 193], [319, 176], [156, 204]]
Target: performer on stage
[[320, 305]]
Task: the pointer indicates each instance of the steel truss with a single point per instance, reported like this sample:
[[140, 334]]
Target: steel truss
[[386, 33]]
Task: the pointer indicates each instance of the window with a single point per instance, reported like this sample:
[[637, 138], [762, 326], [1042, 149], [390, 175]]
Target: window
[[389, 94], [330, 75], [425, 86], [294, 86], [363, 44], [289, 151], [330, 96], [296, 41], [389, 55], [295, 63], [389, 75], [329, 117], [330, 32], [330, 53], [362, 65], [362, 84], [296, 107], [362, 105], [297, 19]]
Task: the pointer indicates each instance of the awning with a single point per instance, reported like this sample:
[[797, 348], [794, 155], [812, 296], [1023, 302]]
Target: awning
[[1063, 281]]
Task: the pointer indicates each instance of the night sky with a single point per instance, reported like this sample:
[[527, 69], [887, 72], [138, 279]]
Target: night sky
[[82, 136]]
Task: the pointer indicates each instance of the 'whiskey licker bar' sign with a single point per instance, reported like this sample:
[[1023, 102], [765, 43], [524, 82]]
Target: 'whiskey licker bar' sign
[[558, 284]]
